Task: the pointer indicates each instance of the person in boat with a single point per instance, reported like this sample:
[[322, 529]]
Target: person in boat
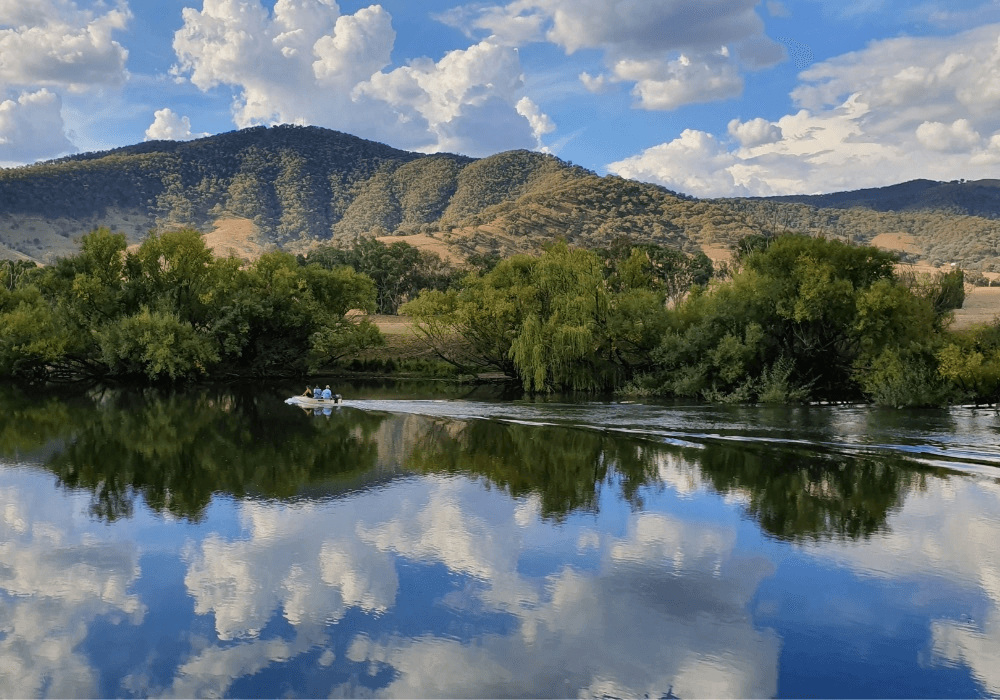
[[308, 393], [317, 392], [327, 394]]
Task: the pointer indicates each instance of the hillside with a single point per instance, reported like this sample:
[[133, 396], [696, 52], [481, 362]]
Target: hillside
[[294, 187], [928, 221], [302, 185], [970, 198]]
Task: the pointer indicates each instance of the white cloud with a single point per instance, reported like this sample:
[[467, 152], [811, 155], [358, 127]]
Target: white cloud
[[694, 162], [777, 9], [288, 563], [307, 63], [755, 132], [602, 629], [540, 123], [466, 102], [53, 43], [675, 51], [959, 136], [943, 13], [32, 128], [668, 85], [900, 109], [169, 126], [595, 84]]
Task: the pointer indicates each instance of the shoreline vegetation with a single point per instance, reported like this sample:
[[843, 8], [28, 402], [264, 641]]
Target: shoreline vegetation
[[791, 319]]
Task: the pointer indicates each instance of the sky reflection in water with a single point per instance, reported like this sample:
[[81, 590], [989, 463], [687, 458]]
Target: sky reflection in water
[[472, 558]]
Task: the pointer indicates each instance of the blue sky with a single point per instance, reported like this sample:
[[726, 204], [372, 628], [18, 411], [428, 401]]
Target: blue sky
[[708, 97]]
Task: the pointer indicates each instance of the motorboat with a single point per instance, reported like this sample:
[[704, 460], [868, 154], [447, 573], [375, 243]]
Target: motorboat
[[309, 402]]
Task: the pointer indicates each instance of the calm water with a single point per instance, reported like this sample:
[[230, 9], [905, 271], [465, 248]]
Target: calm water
[[221, 543]]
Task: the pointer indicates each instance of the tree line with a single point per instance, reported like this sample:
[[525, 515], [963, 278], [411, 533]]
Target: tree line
[[795, 318], [798, 318]]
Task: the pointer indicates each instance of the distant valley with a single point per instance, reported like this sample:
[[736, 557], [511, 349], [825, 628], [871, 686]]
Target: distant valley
[[295, 187]]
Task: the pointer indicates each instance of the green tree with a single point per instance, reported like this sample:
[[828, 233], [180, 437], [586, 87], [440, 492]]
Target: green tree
[[170, 310], [399, 270], [808, 314], [970, 360], [553, 322]]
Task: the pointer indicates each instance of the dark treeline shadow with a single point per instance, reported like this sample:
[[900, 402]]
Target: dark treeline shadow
[[792, 493], [802, 494], [177, 449], [566, 468]]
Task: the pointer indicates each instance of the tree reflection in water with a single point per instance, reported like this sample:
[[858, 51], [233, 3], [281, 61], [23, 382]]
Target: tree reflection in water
[[177, 449]]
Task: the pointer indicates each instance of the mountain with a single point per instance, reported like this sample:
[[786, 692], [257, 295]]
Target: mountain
[[971, 198], [300, 185], [928, 221], [294, 187]]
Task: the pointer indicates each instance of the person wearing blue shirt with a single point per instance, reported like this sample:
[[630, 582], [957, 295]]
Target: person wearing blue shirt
[[317, 393], [327, 394]]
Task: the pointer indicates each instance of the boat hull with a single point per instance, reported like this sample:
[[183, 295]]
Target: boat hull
[[306, 402]]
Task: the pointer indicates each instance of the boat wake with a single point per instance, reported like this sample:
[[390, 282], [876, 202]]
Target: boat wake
[[953, 439]]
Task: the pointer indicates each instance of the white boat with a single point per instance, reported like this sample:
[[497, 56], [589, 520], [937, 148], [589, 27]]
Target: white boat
[[308, 402]]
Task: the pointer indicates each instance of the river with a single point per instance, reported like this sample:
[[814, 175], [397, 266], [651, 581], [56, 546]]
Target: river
[[414, 542]]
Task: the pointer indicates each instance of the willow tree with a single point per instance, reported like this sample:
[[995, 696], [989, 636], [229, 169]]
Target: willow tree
[[553, 322]]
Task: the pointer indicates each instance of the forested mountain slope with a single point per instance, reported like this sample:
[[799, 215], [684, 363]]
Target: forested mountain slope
[[935, 222], [303, 185], [971, 198]]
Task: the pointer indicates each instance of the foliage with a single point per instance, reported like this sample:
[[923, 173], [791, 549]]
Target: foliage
[[176, 450], [565, 469], [303, 184], [804, 495], [553, 322], [803, 317], [169, 310], [399, 270], [630, 263], [944, 290], [971, 361]]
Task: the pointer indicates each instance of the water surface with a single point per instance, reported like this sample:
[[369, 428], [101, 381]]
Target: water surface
[[218, 542]]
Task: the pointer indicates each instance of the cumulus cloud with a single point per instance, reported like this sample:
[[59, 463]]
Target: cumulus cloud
[[594, 83], [291, 565], [671, 84], [169, 126], [601, 628], [900, 109], [959, 136], [32, 128], [754, 132], [675, 52], [540, 123], [56, 44], [693, 162], [306, 63]]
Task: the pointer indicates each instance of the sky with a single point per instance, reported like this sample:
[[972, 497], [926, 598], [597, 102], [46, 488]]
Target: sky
[[706, 97]]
